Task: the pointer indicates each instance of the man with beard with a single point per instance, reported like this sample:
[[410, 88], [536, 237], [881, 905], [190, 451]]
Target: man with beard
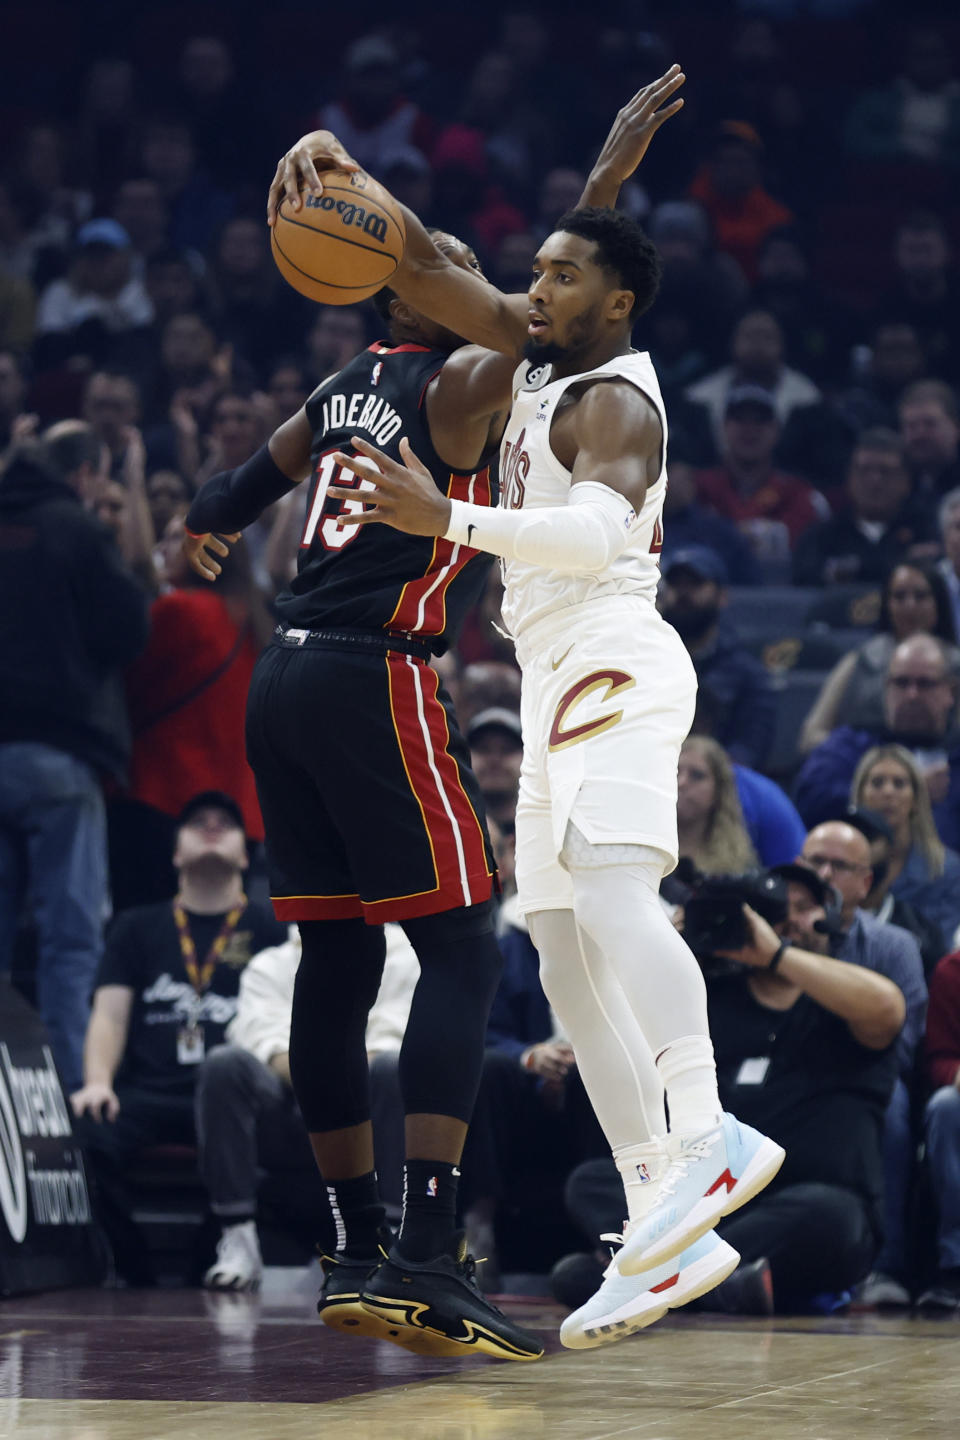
[[607, 699], [735, 701], [370, 808], [919, 709]]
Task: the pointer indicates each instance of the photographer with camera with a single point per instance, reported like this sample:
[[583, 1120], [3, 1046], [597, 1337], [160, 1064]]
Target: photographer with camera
[[806, 1049]]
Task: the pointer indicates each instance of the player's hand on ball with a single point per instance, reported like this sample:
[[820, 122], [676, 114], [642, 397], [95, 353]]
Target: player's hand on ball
[[298, 171], [404, 496], [200, 550]]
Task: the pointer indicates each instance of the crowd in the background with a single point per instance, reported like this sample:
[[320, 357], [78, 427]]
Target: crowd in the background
[[807, 339]]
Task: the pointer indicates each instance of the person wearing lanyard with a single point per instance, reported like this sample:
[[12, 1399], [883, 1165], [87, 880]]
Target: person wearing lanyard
[[166, 991]]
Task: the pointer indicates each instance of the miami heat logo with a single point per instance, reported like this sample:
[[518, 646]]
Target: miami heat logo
[[611, 682]]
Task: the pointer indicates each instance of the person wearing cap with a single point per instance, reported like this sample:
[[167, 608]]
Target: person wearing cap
[[756, 358], [771, 508], [99, 287], [166, 991], [735, 702], [806, 1049], [496, 750], [729, 186]]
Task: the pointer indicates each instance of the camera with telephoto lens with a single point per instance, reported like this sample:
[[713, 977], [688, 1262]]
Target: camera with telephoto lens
[[713, 917]]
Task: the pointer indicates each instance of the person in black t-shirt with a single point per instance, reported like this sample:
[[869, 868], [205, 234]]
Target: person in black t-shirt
[[806, 1050], [166, 991]]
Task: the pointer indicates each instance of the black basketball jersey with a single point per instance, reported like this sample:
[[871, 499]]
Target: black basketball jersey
[[372, 577]]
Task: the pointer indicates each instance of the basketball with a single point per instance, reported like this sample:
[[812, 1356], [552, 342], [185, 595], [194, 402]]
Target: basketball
[[340, 246]]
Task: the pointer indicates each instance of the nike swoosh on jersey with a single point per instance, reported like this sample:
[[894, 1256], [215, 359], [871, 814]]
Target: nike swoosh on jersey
[[555, 664]]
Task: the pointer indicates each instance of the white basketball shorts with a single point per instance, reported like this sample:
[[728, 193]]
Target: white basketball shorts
[[608, 698]]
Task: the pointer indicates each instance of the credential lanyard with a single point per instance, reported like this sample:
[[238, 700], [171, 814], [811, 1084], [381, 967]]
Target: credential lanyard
[[200, 977]]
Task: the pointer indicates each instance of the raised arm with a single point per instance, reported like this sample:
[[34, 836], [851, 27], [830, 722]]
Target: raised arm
[[630, 136]]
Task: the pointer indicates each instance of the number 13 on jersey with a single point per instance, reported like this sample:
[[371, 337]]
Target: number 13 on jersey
[[332, 537]]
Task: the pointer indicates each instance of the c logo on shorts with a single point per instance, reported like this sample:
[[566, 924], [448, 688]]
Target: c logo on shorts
[[612, 682]]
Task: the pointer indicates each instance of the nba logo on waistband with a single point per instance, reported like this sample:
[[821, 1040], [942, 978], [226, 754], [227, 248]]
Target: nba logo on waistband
[[432, 1187], [375, 377], [643, 1174]]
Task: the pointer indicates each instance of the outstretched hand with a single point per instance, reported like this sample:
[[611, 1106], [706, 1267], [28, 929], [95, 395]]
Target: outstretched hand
[[200, 549], [297, 169], [636, 124], [404, 496]]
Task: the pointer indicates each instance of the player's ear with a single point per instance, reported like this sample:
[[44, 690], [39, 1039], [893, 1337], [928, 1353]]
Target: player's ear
[[403, 314], [619, 304]]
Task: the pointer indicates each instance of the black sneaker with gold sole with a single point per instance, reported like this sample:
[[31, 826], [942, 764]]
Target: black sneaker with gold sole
[[441, 1297], [339, 1307]]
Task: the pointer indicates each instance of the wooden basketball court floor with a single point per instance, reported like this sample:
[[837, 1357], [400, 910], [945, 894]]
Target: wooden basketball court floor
[[184, 1365]]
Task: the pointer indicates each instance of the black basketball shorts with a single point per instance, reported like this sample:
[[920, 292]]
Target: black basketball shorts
[[369, 804]]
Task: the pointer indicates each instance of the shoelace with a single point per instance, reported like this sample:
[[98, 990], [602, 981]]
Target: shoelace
[[681, 1163]]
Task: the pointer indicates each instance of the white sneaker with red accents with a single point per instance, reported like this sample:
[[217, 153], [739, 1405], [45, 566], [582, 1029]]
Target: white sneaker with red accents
[[625, 1304], [708, 1176]]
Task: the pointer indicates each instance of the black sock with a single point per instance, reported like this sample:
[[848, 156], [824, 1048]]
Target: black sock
[[429, 1208], [357, 1212]]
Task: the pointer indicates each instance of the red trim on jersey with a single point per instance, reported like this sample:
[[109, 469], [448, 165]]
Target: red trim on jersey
[[422, 607], [317, 907], [434, 778], [379, 348], [426, 385]]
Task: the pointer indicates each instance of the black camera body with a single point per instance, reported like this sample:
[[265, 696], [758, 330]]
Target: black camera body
[[713, 917]]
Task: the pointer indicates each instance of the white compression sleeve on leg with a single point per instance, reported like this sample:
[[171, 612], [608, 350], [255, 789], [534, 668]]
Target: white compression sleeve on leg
[[582, 537]]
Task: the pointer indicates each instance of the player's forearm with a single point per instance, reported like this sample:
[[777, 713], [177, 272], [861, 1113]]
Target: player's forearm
[[234, 499], [583, 537], [602, 188], [103, 1049], [457, 298], [859, 996]]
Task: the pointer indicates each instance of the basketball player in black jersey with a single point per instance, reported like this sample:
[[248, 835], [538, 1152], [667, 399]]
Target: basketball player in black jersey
[[371, 811]]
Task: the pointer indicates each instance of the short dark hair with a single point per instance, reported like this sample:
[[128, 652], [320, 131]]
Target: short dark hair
[[383, 299], [880, 438], [71, 444], [624, 250]]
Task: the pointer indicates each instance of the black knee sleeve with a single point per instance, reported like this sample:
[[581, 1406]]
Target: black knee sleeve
[[442, 1052], [336, 985]]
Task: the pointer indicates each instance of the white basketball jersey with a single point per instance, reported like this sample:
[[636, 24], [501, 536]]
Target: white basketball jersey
[[531, 476]]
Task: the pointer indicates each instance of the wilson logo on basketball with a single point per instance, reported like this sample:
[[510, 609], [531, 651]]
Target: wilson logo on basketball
[[611, 682], [370, 223]]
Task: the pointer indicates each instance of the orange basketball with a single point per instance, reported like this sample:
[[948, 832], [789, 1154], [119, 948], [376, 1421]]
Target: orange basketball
[[340, 246]]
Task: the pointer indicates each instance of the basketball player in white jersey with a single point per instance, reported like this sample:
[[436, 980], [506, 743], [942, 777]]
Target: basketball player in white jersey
[[608, 698]]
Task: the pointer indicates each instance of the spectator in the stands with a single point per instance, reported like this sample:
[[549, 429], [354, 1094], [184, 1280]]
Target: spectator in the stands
[[949, 566], [817, 331], [187, 694], [252, 307], [486, 685], [496, 752], [756, 359], [881, 526], [887, 907], [729, 186], [914, 602], [731, 682], [943, 1131], [168, 494], [706, 286], [926, 293], [919, 713], [840, 854], [139, 206], [710, 822], [771, 508], [922, 869], [930, 426], [173, 285], [98, 298], [893, 360], [166, 991], [70, 617], [687, 522], [371, 116], [197, 204], [916, 117], [337, 335], [111, 404], [216, 104], [288, 387]]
